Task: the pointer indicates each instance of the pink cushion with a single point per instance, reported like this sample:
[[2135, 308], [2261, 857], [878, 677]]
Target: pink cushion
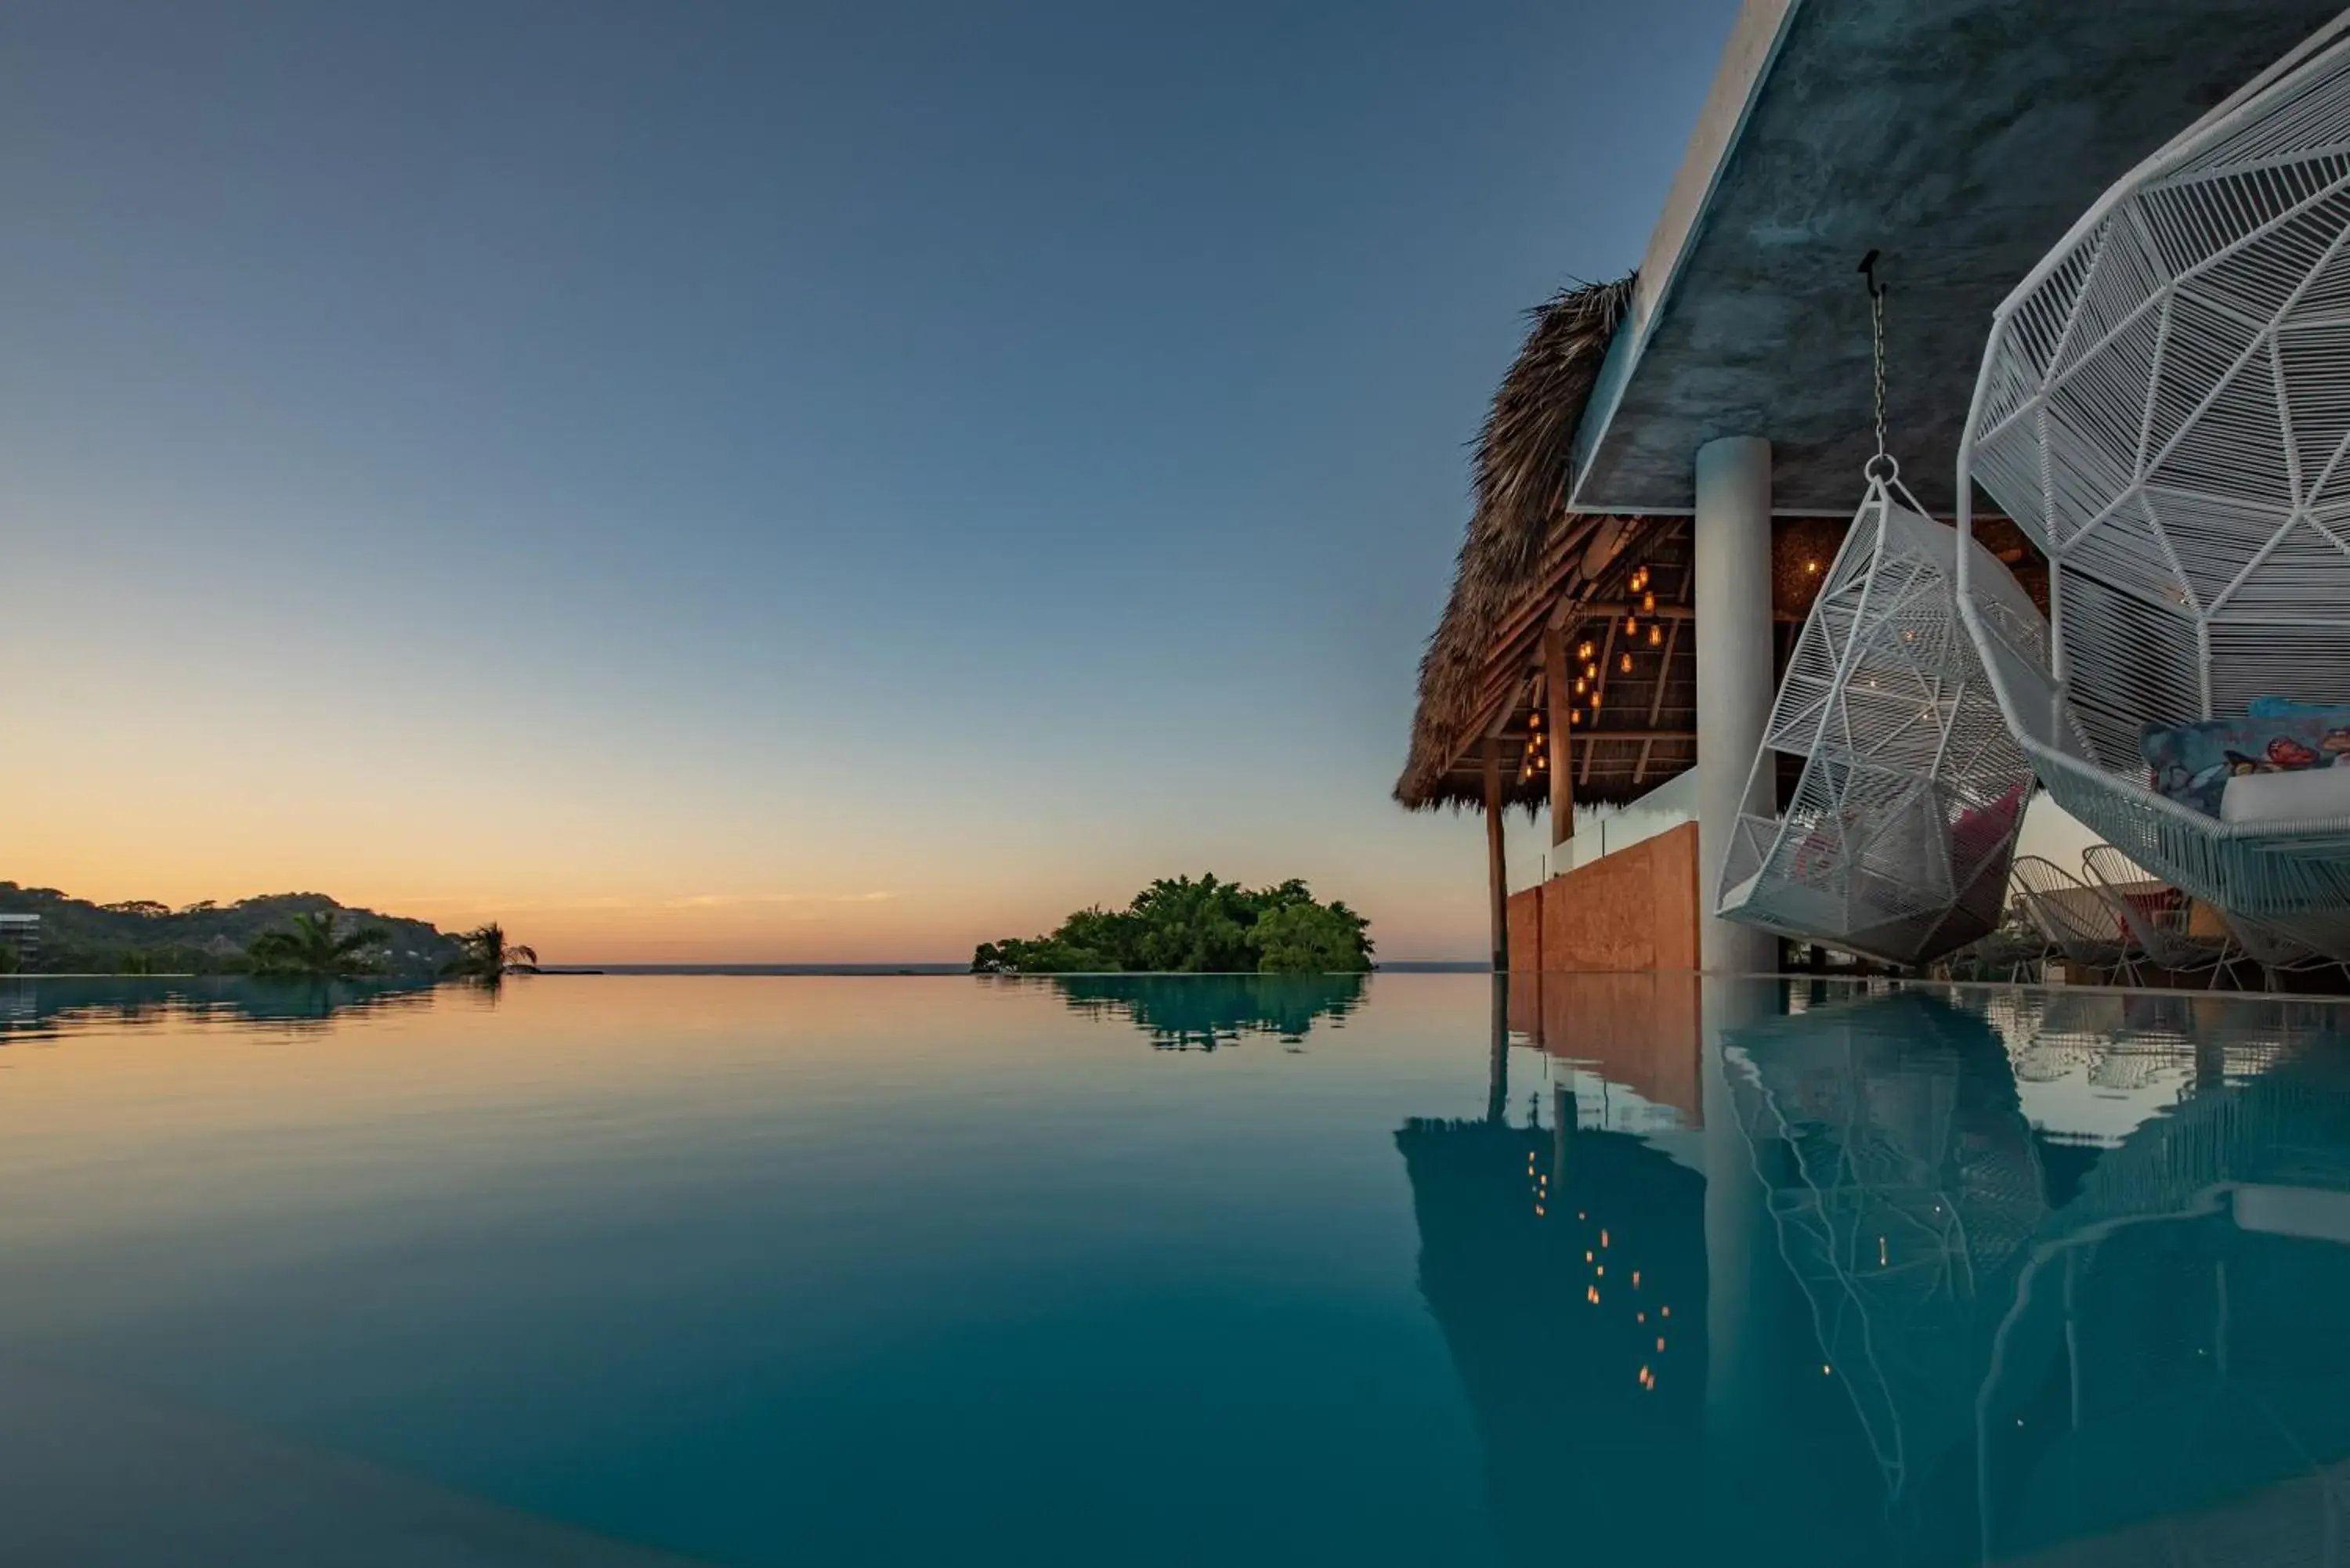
[[1982, 829]]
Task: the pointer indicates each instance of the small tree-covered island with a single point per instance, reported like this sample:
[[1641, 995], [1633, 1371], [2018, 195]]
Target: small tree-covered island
[[1180, 926]]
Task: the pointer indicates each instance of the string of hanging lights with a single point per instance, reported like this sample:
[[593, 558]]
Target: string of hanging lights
[[1536, 761], [1642, 602]]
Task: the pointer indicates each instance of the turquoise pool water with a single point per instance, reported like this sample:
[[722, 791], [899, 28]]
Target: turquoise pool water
[[628, 1270]]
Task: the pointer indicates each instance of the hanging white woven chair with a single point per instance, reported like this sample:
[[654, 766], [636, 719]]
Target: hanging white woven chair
[[2165, 408], [1896, 842]]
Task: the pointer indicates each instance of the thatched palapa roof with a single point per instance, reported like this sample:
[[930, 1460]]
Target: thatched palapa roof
[[1523, 550]]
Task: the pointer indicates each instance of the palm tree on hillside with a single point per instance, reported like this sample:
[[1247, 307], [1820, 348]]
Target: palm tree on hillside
[[313, 946], [487, 953]]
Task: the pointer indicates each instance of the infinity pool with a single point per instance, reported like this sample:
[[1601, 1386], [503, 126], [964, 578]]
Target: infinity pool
[[620, 1271]]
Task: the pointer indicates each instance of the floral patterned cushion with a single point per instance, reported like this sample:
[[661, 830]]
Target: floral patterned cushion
[[2191, 764]]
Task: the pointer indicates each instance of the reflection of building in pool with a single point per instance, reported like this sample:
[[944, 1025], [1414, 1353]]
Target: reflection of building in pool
[[1201, 1012], [1566, 1269], [20, 942], [1934, 1310], [1637, 1030], [1598, 1444], [2046, 1339]]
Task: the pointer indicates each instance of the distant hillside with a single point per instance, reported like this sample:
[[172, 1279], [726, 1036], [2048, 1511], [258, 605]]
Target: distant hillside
[[143, 937]]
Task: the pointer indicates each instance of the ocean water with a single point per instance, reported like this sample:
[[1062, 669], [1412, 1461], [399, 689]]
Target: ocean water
[[764, 1270]]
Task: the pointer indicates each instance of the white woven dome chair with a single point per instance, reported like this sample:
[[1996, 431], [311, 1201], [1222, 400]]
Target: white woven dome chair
[[1896, 842], [2165, 408]]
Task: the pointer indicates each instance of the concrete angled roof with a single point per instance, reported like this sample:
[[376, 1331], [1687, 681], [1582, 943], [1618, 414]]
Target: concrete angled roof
[[1959, 138]]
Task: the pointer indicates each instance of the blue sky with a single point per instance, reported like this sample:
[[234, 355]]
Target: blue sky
[[799, 482]]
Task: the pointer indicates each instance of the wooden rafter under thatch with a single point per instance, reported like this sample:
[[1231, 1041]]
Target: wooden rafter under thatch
[[1523, 549], [1637, 727]]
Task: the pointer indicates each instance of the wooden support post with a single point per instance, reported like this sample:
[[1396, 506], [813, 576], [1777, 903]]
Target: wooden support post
[[1562, 736], [1496, 867]]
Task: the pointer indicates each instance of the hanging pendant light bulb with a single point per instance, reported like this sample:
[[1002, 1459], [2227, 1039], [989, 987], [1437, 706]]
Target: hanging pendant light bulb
[[1591, 673], [1583, 651], [1581, 686], [1575, 716], [1626, 666], [1534, 720], [1656, 636], [1631, 625], [1648, 602]]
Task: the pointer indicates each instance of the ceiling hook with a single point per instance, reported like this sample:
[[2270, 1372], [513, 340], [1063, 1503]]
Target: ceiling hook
[[1867, 268]]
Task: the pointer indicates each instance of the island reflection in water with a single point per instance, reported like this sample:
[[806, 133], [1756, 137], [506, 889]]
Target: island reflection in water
[[1200, 1013], [41, 1007]]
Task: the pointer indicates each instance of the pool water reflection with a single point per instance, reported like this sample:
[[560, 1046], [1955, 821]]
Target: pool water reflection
[[624, 1270]]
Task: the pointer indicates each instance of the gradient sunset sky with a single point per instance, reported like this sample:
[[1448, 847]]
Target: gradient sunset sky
[[768, 482]]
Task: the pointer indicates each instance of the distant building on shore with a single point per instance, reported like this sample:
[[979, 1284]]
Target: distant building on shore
[[20, 938]]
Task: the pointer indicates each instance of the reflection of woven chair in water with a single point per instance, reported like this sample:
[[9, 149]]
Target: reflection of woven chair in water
[[2086, 1015], [2160, 408], [2120, 1069], [2159, 919], [1905, 1184], [2075, 919], [2046, 1061]]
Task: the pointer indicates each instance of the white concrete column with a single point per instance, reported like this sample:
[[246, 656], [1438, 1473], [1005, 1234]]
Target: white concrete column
[[1733, 543]]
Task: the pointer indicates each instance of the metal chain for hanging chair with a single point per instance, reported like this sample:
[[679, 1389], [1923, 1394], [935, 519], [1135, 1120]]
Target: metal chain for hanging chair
[[1882, 465]]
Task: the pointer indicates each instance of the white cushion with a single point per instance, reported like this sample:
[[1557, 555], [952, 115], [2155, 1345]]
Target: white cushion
[[2308, 795]]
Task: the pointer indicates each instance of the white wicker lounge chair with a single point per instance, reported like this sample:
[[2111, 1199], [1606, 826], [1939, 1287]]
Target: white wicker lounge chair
[[2073, 916], [2164, 408], [2161, 926], [1896, 841]]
